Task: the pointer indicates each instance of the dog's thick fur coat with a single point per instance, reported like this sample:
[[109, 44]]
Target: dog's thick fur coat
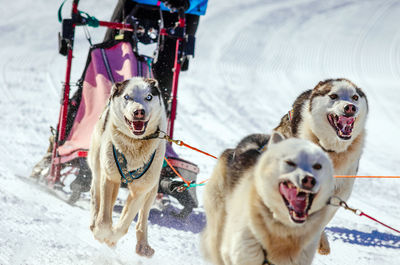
[[332, 115], [134, 112], [246, 211]]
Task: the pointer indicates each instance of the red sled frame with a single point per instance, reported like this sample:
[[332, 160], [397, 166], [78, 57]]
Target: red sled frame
[[66, 48]]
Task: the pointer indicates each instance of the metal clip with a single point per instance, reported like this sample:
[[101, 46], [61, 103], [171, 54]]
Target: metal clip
[[178, 142], [344, 205]]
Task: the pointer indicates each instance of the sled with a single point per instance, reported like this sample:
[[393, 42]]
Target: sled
[[111, 61]]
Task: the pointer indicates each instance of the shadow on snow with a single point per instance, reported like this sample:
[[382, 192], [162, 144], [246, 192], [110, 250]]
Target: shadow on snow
[[370, 239], [196, 221]]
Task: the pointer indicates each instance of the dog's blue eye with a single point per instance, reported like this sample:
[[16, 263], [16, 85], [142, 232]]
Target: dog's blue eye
[[149, 97], [127, 97]]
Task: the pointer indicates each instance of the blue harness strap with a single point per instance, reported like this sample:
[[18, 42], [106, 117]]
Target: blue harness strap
[[122, 165], [197, 7]]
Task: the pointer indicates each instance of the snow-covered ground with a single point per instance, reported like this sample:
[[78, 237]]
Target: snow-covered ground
[[252, 59]]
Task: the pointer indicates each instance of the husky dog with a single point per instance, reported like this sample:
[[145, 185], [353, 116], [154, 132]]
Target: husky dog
[[275, 204], [127, 130], [332, 115]]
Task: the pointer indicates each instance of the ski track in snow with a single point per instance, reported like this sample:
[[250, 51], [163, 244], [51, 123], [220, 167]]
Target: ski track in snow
[[253, 59]]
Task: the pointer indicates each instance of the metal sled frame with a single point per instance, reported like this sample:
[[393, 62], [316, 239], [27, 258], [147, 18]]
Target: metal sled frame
[[66, 41]]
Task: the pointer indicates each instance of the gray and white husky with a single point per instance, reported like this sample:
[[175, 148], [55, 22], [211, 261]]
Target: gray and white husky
[[127, 126], [332, 115]]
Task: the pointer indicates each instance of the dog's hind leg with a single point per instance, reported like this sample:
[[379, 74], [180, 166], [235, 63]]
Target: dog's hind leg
[[142, 247], [102, 228]]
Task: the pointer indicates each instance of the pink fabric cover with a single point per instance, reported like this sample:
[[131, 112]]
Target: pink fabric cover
[[96, 90]]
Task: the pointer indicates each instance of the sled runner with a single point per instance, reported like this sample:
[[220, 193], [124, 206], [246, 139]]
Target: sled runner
[[116, 59]]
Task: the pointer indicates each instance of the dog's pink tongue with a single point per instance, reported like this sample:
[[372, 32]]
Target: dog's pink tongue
[[345, 124], [296, 201], [138, 125]]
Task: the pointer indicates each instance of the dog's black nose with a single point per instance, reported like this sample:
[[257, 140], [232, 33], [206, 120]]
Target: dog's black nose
[[139, 114], [308, 182], [350, 109]]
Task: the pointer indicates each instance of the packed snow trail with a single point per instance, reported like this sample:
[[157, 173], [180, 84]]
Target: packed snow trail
[[253, 58]]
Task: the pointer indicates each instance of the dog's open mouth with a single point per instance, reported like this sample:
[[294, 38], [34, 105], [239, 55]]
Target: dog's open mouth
[[137, 127], [298, 201], [343, 125]]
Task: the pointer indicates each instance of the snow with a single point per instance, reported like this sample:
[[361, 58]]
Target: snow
[[252, 60]]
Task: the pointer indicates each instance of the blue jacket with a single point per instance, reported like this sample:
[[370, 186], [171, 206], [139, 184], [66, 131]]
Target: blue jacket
[[197, 7]]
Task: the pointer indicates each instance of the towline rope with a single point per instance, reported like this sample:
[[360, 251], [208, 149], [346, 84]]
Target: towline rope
[[340, 202], [181, 143], [187, 184], [343, 204]]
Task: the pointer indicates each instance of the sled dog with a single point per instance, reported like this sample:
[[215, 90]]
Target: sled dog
[[127, 130], [332, 115], [276, 202]]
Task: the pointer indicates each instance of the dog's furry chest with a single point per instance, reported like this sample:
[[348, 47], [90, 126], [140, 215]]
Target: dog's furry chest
[[283, 245], [344, 162], [137, 153]]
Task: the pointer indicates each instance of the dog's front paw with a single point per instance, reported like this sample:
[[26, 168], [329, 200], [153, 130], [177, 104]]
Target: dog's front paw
[[324, 248], [115, 236], [143, 249], [102, 233]]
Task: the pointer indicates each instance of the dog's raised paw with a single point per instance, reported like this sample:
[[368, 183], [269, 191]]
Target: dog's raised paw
[[143, 249]]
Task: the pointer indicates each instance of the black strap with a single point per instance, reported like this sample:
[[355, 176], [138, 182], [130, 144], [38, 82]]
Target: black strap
[[154, 135], [107, 66], [326, 150]]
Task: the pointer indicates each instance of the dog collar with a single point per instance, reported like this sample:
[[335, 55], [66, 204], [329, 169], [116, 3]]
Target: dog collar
[[327, 150], [266, 261], [122, 165], [153, 135]]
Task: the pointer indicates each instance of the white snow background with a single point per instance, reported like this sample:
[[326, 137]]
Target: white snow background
[[253, 58]]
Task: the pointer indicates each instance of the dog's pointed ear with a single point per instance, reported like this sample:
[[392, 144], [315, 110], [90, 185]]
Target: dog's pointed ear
[[154, 87], [275, 138], [118, 88]]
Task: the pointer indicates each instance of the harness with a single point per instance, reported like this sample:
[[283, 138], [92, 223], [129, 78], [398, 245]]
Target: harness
[[129, 176]]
